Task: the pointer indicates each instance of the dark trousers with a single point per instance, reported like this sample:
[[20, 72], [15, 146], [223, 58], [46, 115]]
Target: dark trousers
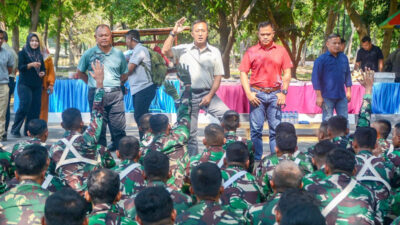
[[29, 107], [141, 103], [11, 86], [114, 116]]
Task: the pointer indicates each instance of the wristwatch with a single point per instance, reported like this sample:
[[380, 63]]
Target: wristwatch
[[284, 92], [172, 34]]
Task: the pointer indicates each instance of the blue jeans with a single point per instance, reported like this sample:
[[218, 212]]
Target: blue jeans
[[340, 105], [268, 109]]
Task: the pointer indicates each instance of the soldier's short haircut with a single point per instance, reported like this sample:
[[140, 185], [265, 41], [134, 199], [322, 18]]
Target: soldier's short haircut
[[128, 147], [144, 122], [214, 134], [65, 207], [285, 127], [231, 120], [384, 127], [103, 186], [286, 142], [153, 205], [206, 179], [31, 161], [71, 118], [337, 124], [156, 164], [37, 127], [303, 213], [321, 150], [365, 137], [159, 123], [295, 196], [323, 127], [237, 152], [340, 159], [287, 175]]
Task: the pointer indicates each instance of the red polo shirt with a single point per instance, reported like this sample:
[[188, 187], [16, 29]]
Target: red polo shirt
[[266, 65]]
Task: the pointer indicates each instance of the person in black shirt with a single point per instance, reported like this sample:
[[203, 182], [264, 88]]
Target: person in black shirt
[[369, 56], [31, 69]]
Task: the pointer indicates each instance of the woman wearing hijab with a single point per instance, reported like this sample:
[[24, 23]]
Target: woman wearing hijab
[[31, 71], [48, 80]]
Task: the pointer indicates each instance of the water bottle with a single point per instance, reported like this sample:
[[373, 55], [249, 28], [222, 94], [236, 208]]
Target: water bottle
[[290, 117], [284, 116], [296, 116]]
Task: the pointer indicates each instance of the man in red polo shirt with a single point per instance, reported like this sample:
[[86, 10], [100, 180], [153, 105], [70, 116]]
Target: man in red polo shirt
[[268, 88]]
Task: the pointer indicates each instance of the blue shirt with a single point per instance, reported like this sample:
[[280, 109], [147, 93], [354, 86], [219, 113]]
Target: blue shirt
[[114, 65], [330, 75]]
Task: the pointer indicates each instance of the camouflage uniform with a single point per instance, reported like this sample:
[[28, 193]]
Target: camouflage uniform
[[242, 193], [364, 117], [174, 145], [231, 137], [315, 177], [106, 214], [266, 168], [6, 169], [209, 212], [23, 204], [382, 193], [343, 142], [396, 221], [212, 154], [55, 184], [264, 213], [76, 174], [358, 207], [19, 147]]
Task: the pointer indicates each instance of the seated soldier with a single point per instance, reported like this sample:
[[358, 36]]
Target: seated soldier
[[24, 204], [383, 128], [338, 131], [290, 203], [286, 148], [155, 207], [6, 169], [130, 171], [103, 192], [286, 175], [319, 154], [231, 122], [343, 197], [144, 127], [173, 141], [373, 172], [214, 139], [206, 183], [240, 187], [77, 153], [394, 154], [65, 207], [322, 134], [38, 133]]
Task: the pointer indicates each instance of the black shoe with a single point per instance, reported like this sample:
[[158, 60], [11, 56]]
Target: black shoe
[[16, 135]]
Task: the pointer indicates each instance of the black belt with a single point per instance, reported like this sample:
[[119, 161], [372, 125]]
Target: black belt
[[110, 89], [199, 91]]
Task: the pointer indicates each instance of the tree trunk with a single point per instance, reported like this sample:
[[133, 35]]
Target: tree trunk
[[350, 41], [330, 25], [46, 33], [15, 37], [387, 37], [359, 24], [111, 20], [35, 9], [58, 34]]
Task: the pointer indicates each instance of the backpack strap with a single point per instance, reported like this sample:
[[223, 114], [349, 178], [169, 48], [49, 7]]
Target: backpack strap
[[127, 170], [78, 157], [234, 178], [221, 161], [368, 166], [47, 181], [342, 195]]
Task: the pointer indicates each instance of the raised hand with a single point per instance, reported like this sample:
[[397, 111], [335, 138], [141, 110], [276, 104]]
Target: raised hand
[[170, 89], [98, 73], [178, 28], [367, 80], [184, 74]]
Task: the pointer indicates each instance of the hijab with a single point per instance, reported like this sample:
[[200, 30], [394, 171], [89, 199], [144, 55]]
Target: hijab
[[33, 54], [45, 52]]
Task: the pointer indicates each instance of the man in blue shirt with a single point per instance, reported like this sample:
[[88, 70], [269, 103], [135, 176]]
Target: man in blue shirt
[[330, 74], [115, 73]]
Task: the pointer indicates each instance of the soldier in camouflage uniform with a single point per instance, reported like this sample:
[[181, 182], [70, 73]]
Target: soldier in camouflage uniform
[[374, 172], [65, 207], [103, 192], [6, 169], [338, 131], [130, 171], [286, 148], [241, 189], [206, 182], [322, 134], [286, 175], [319, 154], [24, 204], [78, 153], [155, 206], [144, 127], [358, 206], [173, 141], [230, 123]]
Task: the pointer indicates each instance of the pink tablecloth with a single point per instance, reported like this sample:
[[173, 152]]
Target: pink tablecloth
[[301, 98]]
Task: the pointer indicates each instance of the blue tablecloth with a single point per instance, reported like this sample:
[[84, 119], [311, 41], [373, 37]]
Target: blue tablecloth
[[386, 98], [73, 93]]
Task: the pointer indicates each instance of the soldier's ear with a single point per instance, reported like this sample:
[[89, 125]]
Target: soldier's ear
[[221, 190], [224, 140], [278, 216], [138, 220], [173, 215], [191, 190], [204, 142], [87, 197], [272, 184], [29, 133], [347, 131], [301, 185], [118, 197], [313, 161], [327, 170], [43, 221], [354, 171], [277, 150], [118, 155], [86, 221], [16, 175], [169, 174], [144, 175], [247, 164]]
